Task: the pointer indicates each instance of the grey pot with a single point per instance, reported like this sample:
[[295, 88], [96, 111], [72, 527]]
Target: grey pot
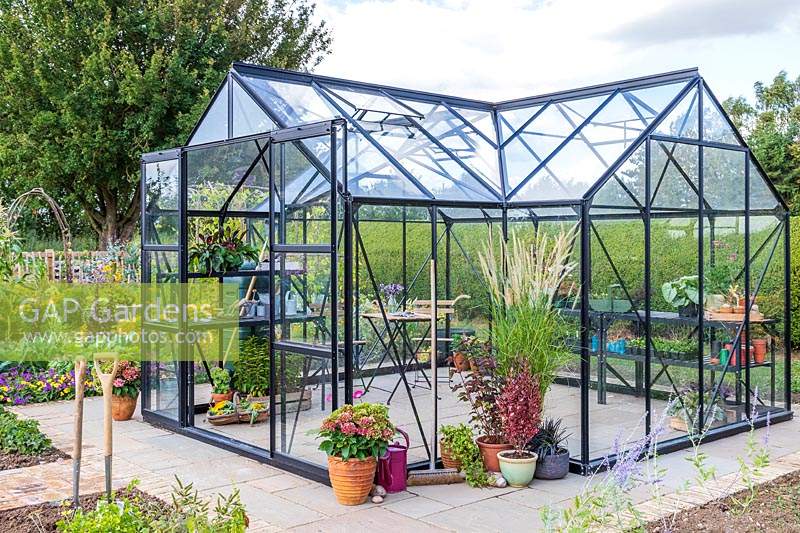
[[553, 466]]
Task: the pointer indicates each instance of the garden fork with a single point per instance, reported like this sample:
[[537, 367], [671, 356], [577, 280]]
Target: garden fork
[[107, 382], [80, 375]]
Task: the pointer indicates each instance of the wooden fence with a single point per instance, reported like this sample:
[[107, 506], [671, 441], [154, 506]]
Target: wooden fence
[[89, 266]]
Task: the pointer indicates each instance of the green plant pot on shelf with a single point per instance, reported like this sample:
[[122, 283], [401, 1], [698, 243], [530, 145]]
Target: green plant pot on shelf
[[518, 471]]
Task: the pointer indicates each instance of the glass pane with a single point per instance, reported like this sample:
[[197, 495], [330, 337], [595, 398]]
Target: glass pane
[[293, 104], [723, 178], [462, 140], [761, 197], [437, 172], [682, 120], [370, 174], [213, 173], [161, 207], [511, 120], [673, 174], [480, 119], [214, 125], [360, 99], [248, 118], [715, 126]]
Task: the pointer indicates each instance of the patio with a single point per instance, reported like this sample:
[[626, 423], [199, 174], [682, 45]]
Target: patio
[[279, 501]]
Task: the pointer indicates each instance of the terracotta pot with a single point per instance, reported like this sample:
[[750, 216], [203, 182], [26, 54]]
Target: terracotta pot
[[759, 350], [461, 362], [447, 457], [228, 396], [352, 479], [489, 451], [122, 407]]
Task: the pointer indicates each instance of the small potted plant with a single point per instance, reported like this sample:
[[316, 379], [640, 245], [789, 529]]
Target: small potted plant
[[684, 411], [520, 407], [459, 451], [127, 383], [549, 444], [354, 436], [221, 390], [251, 378], [252, 411], [390, 292], [683, 294], [224, 251], [222, 413], [481, 391]]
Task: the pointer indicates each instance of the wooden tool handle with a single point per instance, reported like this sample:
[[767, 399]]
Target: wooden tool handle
[[107, 382], [80, 377]]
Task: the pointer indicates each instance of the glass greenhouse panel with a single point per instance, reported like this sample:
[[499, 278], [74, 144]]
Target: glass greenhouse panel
[[723, 175], [683, 119], [293, 104], [213, 173], [161, 202], [715, 125], [214, 125], [761, 197], [359, 99], [479, 119], [248, 118], [436, 171], [462, 140], [371, 174], [674, 175], [512, 119]]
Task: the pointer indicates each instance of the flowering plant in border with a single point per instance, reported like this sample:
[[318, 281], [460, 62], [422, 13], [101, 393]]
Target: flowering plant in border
[[357, 431], [128, 379], [19, 386], [520, 407]]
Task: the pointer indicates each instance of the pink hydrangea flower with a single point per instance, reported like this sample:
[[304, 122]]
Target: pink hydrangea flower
[[119, 382]]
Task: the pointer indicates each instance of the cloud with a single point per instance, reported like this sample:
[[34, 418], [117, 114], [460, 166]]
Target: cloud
[[503, 49], [692, 19]]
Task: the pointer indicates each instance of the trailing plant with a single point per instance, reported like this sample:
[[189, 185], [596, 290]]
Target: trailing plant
[[224, 251], [128, 379], [222, 380], [481, 391], [520, 407], [682, 291], [21, 437], [357, 431], [461, 443], [550, 439], [252, 367]]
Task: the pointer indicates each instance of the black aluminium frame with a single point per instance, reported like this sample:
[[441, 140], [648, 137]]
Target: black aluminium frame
[[583, 217]]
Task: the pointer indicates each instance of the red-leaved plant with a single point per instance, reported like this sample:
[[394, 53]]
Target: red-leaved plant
[[520, 407]]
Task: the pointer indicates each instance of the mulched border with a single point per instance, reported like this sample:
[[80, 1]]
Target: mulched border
[[9, 461], [43, 517], [776, 507]]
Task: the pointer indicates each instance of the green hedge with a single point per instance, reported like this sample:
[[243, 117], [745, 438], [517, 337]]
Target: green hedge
[[674, 252]]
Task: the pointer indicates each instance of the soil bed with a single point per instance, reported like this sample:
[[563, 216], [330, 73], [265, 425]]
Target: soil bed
[[15, 460], [44, 516], [776, 507]]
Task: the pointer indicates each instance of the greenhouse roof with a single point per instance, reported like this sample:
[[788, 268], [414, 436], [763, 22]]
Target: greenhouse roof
[[552, 149]]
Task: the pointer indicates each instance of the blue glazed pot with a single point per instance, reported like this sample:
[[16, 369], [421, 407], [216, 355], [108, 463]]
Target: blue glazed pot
[[518, 472]]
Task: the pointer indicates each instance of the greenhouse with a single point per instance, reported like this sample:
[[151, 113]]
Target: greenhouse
[[369, 215]]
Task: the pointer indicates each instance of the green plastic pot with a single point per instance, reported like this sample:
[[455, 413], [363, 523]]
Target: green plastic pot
[[517, 471]]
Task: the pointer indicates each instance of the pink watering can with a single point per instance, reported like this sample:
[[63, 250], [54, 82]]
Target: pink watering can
[[391, 473]]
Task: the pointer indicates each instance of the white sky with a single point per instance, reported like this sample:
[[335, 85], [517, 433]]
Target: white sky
[[503, 49]]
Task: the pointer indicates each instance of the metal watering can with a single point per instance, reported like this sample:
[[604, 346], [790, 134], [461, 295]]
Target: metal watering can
[[392, 472]]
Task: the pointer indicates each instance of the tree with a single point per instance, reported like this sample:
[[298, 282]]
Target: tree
[[88, 85], [772, 130]]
